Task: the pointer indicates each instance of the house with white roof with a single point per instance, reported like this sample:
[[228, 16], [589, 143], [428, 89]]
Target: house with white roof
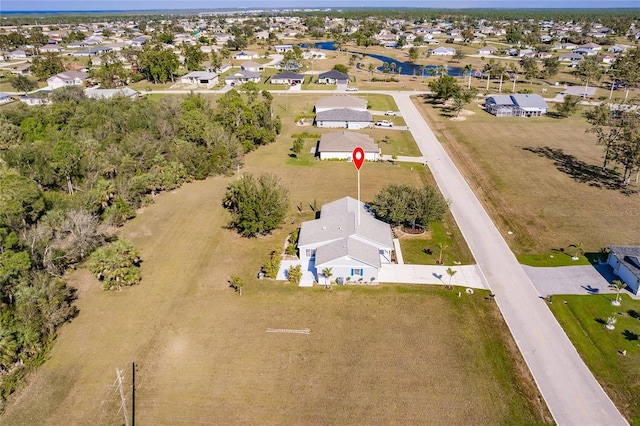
[[625, 261], [241, 77], [200, 78], [67, 78], [5, 97], [348, 239], [245, 55], [340, 101], [442, 51], [340, 146], [110, 93]]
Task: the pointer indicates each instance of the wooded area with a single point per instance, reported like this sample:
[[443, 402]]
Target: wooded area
[[72, 171]]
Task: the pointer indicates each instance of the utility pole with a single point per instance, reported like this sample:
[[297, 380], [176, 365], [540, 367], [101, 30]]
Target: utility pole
[[133, 394], [123, 402]]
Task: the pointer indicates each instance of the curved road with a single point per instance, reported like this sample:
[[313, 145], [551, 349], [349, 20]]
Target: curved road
[[573, 395]]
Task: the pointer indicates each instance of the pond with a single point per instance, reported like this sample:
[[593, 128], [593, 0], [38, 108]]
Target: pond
[[406, 68]]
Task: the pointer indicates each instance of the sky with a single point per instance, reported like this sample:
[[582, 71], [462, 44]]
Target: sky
[[88, 5]]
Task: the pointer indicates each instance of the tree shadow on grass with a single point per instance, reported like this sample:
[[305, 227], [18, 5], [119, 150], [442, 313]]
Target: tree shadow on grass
[[600, 321], [633, 314], [630, 335], [580, 171]]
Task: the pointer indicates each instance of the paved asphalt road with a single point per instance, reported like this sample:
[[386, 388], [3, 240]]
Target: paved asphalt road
[[570, 390]]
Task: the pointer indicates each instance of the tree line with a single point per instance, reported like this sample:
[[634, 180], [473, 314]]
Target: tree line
[[72, 171]]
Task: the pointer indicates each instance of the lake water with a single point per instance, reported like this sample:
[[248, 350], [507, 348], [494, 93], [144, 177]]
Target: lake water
[[406, 68]]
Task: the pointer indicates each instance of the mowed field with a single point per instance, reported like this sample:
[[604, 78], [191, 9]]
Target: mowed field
[[540, 178], [387, 354]]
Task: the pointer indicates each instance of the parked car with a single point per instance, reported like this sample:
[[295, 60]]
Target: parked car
[[384, 123], [352, 89], [393, 113]]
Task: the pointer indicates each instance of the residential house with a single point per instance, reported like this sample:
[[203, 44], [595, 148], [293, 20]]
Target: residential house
[[544, 55], [50, 48], [618, 48], [313, 54], [241, 77], [573, 58], [200, 78], [344, 118], [340, 145], [348, 239], [281, 48], [245, 55], [625, 261], [487, 50], [5, 97], [22, 69], [582, 91], [67, 78], [110, 93], [138, 41], [340, 101], [251, 66], [16, 54], [333, 77], [442, 51], [35, 100], [585, 51], [287, 78], [517, 105], [262, 35]]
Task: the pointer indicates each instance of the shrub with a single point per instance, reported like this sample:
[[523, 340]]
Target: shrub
[[116, 265]]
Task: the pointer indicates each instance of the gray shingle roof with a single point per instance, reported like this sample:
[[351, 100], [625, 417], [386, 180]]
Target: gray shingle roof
[[344, 114], [525, 101], [346, 142], [629, 256], [341, 101], [500, 100], [338, 233], [334, 75]]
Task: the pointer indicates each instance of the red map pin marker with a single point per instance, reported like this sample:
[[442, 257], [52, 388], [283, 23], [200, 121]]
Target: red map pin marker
[[358, 157]]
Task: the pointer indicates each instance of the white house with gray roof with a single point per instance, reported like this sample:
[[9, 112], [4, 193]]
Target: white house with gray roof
[[346, 238], [200, 78], [344, 118], [340, 101], [518, 105], [625, 261], [340, 146]]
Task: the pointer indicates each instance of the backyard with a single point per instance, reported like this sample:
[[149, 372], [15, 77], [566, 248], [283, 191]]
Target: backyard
[[375, 355]]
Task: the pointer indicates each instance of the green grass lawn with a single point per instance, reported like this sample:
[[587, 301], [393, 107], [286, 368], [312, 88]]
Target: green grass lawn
[[396, 142], [380, 102], [582, 318], [425, 249]]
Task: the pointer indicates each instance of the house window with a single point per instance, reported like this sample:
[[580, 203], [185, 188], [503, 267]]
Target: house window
[[357, 272], [311, 253]]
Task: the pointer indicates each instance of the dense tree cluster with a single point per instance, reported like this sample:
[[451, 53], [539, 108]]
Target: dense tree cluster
[[408, 206], [258, 205], [72, 170]]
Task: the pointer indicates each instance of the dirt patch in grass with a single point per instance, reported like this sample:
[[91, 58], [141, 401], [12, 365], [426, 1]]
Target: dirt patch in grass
[[538, 178]]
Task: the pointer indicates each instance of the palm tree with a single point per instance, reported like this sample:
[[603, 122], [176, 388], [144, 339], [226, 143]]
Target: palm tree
[[514, 71], [422, 68], [618, 286], [327, 272], [488, 68], [500, 70], [371, 67], [442, 69], [577, 247], [393, 67], [442, 245], [467, 71], [451, 273]]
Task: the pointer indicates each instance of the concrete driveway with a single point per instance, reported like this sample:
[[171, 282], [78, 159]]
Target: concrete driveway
[[584, 279], [572, 394]]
